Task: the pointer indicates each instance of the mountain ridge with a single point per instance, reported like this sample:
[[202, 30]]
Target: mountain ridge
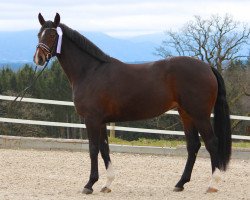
[[20, 46]]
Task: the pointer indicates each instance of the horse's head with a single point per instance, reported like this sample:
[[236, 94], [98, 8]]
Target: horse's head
[[48, 37]]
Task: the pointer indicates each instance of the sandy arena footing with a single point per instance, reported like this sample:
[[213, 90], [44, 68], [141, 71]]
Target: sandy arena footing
[[54, 175]]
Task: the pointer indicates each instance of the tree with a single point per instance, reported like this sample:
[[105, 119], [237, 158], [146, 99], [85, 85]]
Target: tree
[[237, 80], [52, 84], [7, 79], [216, 40], [23, 111]]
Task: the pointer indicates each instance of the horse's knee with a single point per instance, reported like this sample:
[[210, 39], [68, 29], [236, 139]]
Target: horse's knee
[[93, 151], [197, 146]]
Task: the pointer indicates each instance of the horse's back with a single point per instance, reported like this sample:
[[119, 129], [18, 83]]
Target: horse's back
[[182, 82]]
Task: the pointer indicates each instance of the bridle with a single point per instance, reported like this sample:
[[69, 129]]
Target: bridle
[[47, 51], [44, 48]]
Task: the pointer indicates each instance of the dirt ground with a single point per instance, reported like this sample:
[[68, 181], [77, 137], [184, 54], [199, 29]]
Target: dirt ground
[[59, 175]]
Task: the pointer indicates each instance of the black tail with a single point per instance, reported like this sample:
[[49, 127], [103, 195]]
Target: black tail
[[222, 125]]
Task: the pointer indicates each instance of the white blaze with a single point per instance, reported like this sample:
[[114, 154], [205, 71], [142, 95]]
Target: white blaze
[[43, 33]]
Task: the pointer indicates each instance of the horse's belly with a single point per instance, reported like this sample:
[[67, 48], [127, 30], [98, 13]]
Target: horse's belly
[[142, 108]]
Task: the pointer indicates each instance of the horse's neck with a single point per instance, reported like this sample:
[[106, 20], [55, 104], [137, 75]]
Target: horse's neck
[[75, 62]]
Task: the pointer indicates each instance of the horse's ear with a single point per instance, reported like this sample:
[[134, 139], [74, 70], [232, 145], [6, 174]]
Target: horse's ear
[[57, 20], [41, 19]]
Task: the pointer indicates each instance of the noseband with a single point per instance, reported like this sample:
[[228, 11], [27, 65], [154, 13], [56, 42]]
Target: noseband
[[48, 52]]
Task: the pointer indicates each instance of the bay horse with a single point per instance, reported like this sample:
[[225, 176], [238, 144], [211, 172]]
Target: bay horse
[[107, 90]]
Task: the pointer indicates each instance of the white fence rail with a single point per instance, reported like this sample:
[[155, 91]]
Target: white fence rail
[[118, 128]]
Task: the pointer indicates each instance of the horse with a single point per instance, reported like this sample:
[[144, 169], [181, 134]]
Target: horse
[[105, 90]]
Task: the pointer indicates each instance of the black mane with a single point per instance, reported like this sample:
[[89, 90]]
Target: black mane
[[85, 44]]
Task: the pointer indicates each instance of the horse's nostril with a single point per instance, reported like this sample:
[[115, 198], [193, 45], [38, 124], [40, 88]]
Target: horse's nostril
[[40, 60]]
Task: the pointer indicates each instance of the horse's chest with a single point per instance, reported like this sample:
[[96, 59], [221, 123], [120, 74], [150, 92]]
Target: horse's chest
[[80, 101], [84, 102]]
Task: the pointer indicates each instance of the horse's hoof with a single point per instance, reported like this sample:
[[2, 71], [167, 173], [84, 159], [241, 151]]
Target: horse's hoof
[[212, 190], [178, 189], [105, 190], [87, 191]]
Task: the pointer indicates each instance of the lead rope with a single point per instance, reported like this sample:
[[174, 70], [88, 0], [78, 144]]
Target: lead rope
[[58, 50], [24, 91]]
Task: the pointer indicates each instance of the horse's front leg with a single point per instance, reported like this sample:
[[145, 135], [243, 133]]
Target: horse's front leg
[[104, 149], [93, 129]]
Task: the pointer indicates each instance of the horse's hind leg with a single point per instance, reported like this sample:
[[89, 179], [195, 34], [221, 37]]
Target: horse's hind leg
[[193, 146], [211, 143], [104, 149]]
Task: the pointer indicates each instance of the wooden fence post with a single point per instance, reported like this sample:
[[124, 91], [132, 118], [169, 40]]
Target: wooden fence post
[[112, 130]]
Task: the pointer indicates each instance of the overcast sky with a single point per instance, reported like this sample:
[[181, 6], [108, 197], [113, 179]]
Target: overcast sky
[[117, 18]]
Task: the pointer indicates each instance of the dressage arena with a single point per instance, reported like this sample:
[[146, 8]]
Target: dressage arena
[[59, 175]]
